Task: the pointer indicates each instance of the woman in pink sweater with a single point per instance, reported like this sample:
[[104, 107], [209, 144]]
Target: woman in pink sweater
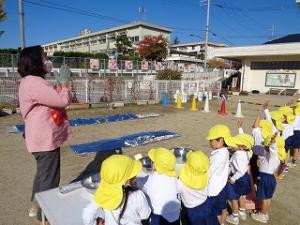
[[46, 123]]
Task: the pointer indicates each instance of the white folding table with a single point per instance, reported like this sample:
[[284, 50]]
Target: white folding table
[[63, 209]]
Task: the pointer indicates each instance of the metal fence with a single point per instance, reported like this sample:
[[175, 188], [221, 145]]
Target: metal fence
[[95, 90], [104, 67]]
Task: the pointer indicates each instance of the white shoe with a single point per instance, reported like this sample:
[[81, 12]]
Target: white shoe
[[242, 215], [267, 216], [232, 219], [260, 217], [33, 211]]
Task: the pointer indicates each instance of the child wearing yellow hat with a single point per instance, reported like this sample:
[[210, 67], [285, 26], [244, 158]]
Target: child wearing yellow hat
[[239, 182], [296, 137], [282, 125], [161, 188], [219, 138], [266, 182], [116, 201], [192, 185], [275, 117]]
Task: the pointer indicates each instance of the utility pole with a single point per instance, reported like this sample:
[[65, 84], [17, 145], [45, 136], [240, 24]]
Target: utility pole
[[141, 12], [21, 19], [272, 29], [206, 35]]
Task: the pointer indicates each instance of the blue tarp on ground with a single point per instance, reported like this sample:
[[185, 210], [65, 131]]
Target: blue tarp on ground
[[131, 140], [88, 121]]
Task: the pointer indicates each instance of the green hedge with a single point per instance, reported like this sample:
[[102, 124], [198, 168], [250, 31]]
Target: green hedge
[[75, 59]]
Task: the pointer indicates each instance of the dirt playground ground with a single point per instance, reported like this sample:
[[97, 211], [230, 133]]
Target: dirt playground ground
[[18, 167]]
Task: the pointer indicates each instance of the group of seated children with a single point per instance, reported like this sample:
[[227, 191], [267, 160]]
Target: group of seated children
[[200, 192]]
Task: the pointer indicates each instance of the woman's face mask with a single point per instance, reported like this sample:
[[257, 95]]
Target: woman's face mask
[[48, 66]]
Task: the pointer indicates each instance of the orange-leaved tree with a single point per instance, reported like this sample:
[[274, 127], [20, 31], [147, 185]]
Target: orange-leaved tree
[[153, 48]]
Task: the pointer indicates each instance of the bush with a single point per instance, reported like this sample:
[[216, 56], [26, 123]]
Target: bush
[[75, 59], [81, 54], [129, 57], [7, 105], [168, 74]]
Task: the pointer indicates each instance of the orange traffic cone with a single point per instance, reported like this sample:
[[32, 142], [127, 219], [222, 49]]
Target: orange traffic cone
[[223, 108]]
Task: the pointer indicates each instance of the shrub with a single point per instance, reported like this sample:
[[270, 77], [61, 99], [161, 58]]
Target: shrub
[[168, 74], [7, 105]]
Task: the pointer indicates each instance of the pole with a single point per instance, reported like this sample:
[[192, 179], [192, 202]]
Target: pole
[[21, 19], [206, 35]]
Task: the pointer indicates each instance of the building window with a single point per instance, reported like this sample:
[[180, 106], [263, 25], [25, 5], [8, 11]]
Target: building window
[[193, 47], [276, 65]]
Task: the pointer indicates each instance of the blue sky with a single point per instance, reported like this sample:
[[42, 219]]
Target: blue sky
[[234, 22]]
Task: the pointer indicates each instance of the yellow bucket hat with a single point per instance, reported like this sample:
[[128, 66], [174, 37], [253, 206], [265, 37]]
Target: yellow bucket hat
[[266, 128], [163, 160], [244, 139], [276, 115], [194, 173], [115, 172], [280, 146], [221, 131], [285, 110], [290, 118], [297, 109], [279, 125]]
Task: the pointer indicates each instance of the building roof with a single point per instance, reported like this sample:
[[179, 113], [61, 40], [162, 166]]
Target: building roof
[[125, 26], [198, 43], [286, 39], [285, 49]]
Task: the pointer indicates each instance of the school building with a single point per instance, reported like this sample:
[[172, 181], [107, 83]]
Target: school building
[[271, 67], [104, 40]]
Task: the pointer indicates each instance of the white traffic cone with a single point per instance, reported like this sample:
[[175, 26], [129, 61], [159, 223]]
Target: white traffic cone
[[206, 105], [239, 110]]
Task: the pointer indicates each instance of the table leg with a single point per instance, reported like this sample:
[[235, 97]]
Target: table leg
[[43, 218]]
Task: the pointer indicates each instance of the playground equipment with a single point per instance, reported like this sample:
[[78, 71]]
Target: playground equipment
[[179, 102], [194, 104], [206, 105], [239, 110], [223, 107]]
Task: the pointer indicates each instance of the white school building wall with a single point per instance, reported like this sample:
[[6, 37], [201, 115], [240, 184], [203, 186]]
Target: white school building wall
[[256, 79], [261, 61]]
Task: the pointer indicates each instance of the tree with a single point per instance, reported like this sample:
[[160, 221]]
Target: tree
[[176, 41], [215, 63], [123, 45], [153, 48], [2, 13]]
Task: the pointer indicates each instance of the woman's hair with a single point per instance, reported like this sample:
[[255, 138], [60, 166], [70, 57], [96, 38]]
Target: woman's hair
[[127, 190], [31, 62]]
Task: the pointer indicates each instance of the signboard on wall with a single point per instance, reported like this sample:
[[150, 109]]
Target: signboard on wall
[[286, 80], [94, 63]]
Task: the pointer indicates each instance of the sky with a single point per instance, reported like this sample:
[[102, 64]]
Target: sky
[[233, 22]]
